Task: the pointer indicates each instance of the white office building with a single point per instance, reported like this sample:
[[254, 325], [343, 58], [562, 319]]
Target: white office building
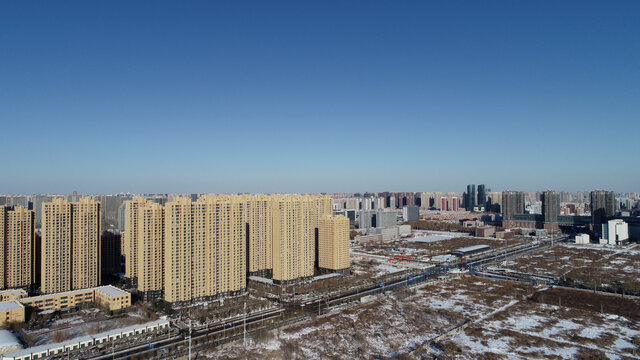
[[614, 232]]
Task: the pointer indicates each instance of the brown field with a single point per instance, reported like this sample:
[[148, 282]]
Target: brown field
[[593, 266], [507, 320]]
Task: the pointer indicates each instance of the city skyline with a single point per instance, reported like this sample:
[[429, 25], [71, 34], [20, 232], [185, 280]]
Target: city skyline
[[295, 97]]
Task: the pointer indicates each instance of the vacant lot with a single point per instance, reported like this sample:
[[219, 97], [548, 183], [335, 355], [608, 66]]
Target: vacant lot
[[531, 329], [593, 266], [505, 320], [389, 325]]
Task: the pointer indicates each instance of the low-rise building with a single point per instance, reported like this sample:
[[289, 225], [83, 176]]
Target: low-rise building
[[12, 294], [368, 239], [404, 230], [11, 312], [506, 235], [582, 239], [108, 297], [485, 231], [112, 298]]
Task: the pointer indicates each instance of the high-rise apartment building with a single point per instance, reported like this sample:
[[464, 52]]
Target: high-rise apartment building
[[512, 204], [70, 245], [177, 250], [259, 217], [130, 236], [208, 247], [150, 243], [56, 246], [333, 244], [550, 206], [204, 247], [295, 229], [3, 222], [603, 206], [85, 244], [16, 247]]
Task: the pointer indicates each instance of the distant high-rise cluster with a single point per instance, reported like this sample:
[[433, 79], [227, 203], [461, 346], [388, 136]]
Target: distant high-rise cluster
[[188, 250]]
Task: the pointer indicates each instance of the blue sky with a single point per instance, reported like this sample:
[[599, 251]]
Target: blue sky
[[304, 96]]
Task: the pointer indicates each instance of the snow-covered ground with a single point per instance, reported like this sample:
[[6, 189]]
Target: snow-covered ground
[[547, 331], [382, 269], [504, 322]]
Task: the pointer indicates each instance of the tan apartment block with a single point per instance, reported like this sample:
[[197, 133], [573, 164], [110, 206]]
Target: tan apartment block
[[130, 235], [150, 250], [70, 245], [333, 245]]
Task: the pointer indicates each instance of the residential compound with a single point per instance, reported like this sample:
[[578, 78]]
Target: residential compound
[[70, 245], [200, 249]]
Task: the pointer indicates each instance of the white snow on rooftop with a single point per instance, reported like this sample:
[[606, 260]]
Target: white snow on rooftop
[[472, 248], [111, 291], [10, 305], [8, 342]]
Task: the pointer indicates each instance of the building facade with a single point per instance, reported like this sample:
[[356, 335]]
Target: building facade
[[512, 204], [603, 206], [189, 250], [150, 243], [333, 244], [550, 206], [17, 239], [70, 255]]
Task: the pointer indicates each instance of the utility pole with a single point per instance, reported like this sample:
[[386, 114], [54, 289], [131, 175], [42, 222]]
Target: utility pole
[[189, 336], [244, 323]]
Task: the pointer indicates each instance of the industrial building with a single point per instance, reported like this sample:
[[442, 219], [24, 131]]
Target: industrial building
[[471, 250]]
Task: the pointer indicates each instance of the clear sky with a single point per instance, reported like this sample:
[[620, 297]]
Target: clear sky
[[315, 96]]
